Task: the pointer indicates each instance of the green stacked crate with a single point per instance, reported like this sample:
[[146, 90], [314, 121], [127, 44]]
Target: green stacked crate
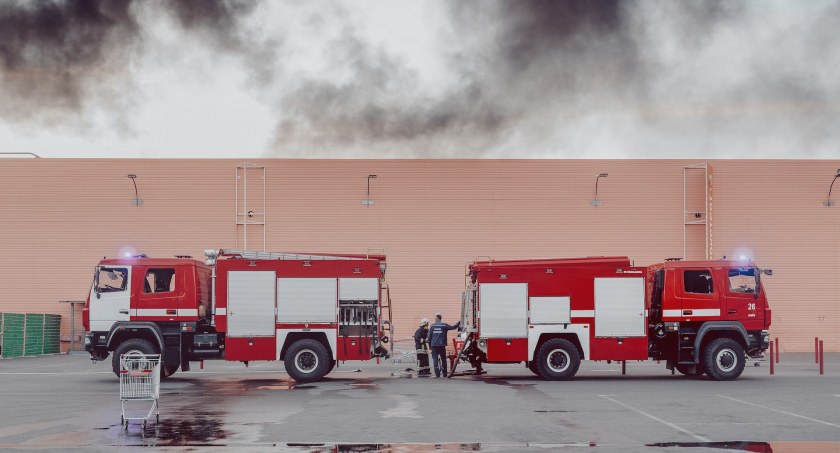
[[13, 334], [34, 334], [52, 330]]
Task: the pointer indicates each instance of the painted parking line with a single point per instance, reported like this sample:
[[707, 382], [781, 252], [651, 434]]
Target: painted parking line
[[657, 419], [792, 414]]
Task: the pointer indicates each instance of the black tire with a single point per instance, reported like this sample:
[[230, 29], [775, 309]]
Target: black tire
[[723, 359], [330, 368], [532, 365], [691, 370], [307, 360], [558, 360], [135, 346]]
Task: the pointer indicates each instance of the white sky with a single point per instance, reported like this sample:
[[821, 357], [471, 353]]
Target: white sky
[[760, 81]]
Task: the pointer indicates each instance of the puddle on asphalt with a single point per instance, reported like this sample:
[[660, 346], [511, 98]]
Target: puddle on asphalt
[[756, 447], [193, 429], [286, 386], [384, 448], [364, 384], [506, 383]]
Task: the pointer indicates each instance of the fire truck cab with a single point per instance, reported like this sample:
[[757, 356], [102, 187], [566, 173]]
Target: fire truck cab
[[701, 317]]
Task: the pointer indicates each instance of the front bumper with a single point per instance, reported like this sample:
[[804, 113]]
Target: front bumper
[[759, 342], [95, 345]]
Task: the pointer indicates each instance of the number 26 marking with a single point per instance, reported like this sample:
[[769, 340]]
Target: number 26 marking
[[750, 306]]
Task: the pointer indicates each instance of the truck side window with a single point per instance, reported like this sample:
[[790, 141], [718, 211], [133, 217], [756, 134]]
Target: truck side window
[[159, 281], [698, 282], [111, 279]]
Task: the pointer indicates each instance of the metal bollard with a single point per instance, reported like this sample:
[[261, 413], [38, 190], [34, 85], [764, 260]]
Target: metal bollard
[[822, 359], [772, 368], [816, 349], [777, 349]]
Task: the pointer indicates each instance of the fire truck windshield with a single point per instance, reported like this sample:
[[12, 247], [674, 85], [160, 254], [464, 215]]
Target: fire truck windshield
[[111, 279], [743, 280]]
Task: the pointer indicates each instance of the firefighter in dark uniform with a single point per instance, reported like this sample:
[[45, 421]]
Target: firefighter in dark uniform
[[437, 341], [420, 346]]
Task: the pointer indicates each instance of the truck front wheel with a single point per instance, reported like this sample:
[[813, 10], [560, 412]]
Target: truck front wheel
[[307, 360], [559, 360], [130, 347], [723, 359]]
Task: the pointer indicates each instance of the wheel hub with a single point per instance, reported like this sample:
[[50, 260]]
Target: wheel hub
[[558, 360], [306, 361], [726, 360]]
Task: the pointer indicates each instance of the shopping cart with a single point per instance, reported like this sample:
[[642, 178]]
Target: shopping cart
[[139, 381]]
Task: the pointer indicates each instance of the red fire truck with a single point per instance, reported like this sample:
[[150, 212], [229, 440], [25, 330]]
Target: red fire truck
[[698, 316], [308, 310]]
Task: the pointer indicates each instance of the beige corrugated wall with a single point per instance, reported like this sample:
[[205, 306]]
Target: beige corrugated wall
[[59, 216]]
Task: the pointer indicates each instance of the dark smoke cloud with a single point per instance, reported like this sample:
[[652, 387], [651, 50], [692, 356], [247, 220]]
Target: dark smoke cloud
[[378, 106], [529, 55], [569, 78], [523, 78], [49, 50], [61, 58]]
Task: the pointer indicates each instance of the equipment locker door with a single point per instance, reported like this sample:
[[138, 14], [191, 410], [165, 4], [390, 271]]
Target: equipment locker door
[[504, 310], [251, 297], [619, 307]]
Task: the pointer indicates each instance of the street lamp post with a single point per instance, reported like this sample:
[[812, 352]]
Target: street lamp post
[[596, 202], [136, 201], [368, 201], [828, 201]]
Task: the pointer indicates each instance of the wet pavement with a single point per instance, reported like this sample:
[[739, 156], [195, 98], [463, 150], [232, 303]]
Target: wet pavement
[[64, 402]]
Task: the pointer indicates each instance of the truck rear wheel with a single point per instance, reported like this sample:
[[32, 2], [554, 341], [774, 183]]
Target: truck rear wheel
[[307, 360], [723, 359], [130, 347], [532, 365], [559, 360]]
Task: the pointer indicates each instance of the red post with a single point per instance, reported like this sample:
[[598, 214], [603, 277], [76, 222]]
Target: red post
[[816, 349], [772, 363], [777, 349], [822, 359]]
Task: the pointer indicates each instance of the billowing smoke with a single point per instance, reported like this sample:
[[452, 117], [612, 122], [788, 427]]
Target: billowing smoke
[[61, 59], [496, 78], [603, 78]]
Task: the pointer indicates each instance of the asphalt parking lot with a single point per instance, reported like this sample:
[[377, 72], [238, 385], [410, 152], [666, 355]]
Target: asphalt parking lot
[[65, 402]]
